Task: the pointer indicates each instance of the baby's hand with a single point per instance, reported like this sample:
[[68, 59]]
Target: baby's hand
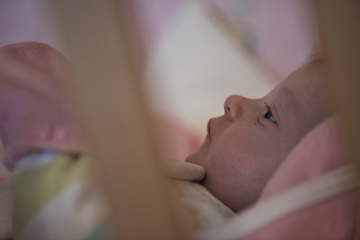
[[184, 170]]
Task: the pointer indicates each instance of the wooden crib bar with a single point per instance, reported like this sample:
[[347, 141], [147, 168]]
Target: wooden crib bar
[[340, 25], [99, 34]]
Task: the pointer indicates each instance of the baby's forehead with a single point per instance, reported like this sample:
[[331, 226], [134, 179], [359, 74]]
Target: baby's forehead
[[306, 80], [316, 72], [288, 88], [304, 96]]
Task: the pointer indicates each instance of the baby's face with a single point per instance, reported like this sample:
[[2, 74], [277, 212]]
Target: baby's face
[[246, 145]]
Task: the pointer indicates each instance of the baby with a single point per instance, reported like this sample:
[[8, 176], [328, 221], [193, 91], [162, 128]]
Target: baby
[[242, 150], [247, 144]]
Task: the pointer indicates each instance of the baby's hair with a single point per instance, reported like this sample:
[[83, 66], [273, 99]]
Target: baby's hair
[[313, 64]]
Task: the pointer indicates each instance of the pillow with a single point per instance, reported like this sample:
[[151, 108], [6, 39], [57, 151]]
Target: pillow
[[321, 151]]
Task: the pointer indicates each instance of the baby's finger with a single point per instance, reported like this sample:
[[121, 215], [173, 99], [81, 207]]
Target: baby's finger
[[184, 171]]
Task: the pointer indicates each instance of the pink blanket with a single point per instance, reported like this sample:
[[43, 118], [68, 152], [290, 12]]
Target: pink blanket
[[321, 151]]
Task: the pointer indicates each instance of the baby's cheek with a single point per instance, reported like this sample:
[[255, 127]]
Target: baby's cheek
[[237, 157], [226, 157]]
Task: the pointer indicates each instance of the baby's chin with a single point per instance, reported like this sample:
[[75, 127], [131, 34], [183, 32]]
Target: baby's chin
[[199, 156], [194, 157]]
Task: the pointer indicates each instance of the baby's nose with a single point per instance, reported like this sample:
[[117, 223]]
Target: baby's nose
[[234, 106]]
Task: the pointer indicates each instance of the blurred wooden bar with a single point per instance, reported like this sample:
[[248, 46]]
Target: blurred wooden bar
[[340, 25], [99, 34]]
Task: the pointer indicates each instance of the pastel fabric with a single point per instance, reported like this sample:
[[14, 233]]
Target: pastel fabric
[[320, 152], [53, 191], [34, 87], [54, 198]]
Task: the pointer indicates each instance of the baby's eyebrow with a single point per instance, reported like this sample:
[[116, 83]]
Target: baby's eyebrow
[[288, 93], [314, 64], [286, 97]]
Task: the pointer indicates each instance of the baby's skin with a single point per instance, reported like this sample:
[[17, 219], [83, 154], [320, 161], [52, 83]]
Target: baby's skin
[[245, 146]]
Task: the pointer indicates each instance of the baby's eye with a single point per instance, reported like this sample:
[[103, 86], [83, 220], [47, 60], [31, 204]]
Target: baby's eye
[[269, 116]]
